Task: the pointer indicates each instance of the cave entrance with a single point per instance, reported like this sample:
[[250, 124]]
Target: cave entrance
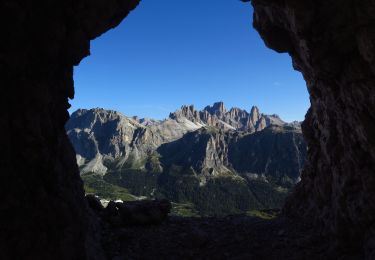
[[166, 55]]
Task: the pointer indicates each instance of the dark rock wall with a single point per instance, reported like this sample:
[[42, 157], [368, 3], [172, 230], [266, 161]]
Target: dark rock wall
[[43, 213], [332, 43]]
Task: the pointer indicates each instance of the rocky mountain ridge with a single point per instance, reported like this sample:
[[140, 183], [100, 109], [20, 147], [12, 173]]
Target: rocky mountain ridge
[[235, 118], [247, 159], [101, 137]]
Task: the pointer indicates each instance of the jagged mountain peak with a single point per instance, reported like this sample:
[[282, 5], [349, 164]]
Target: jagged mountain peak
[[254, 109], [233, 119], [216, 109]]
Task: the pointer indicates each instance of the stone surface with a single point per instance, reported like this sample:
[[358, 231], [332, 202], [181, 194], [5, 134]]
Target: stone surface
[[332, 44], [43, 213], [144, 212]]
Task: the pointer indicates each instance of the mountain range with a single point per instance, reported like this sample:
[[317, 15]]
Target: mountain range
[[218, 161]]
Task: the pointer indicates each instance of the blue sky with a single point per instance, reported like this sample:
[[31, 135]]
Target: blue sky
[[168, 53]]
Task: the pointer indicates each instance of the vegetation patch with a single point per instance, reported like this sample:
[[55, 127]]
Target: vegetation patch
[[184, 210], [263, 214], [94, 184], [219, 196]]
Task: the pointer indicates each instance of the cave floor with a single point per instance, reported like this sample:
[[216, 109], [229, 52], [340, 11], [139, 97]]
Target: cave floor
[[233, 237]]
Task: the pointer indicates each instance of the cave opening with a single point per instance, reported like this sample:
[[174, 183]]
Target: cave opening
[[44, 212], [188, 55]]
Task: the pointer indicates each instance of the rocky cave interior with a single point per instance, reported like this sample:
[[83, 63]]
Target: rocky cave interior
[[44, 213]]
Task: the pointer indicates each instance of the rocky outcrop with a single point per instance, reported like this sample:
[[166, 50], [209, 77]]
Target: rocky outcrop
[[119, 213], [234, 119], [205, 151], [332, 44], [100, 131], [145, 212], [43, 212], [217, 109]]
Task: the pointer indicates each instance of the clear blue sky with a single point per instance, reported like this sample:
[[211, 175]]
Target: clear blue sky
[[168, 53]]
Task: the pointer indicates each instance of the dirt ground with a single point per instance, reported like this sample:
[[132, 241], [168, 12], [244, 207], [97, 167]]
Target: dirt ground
[[233, 237]]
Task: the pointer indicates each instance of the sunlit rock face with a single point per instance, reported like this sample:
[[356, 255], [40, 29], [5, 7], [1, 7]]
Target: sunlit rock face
[[43, 213], [332, 44]]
